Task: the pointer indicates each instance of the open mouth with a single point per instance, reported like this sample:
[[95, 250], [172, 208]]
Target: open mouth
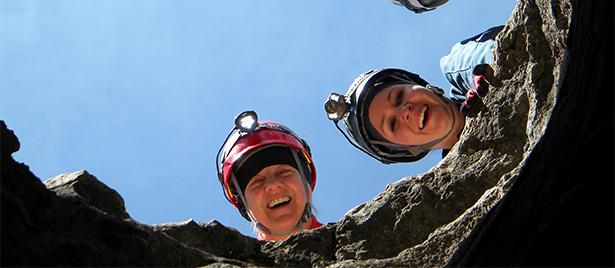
[[279, 202], [423, 117]]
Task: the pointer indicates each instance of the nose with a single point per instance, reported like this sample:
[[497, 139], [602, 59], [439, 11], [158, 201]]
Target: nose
[[272, 183], [404, 111]]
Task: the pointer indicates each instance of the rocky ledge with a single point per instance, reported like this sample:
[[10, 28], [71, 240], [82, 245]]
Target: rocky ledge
[[529, 184]]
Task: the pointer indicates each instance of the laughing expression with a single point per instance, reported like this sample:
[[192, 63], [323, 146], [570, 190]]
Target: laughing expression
[[276, 197], [410, 115]]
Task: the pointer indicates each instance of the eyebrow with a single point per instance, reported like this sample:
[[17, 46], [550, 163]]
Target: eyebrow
[[254, 179]]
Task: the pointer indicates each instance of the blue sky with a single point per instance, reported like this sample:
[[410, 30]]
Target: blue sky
[[142, 93]]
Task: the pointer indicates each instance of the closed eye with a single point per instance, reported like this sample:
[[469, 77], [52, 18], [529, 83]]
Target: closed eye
[[256, 182], [285, 172], [400, 96], [393, 123], [398, 99]]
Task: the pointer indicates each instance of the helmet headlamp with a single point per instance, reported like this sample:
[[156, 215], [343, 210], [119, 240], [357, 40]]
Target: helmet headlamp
[[250, 136], [246, 121], [336, 107]]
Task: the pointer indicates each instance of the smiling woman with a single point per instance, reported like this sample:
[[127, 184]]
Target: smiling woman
[[395, 116], [136, 91], [407, 112], [268, 174]]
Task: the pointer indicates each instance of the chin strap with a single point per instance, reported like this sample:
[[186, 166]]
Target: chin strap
[[307, 210]]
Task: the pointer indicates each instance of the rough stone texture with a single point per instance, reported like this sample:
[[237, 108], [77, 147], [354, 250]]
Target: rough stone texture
[[215, 238], [42, 228], [529, 184], [560, 210], [82, 185]]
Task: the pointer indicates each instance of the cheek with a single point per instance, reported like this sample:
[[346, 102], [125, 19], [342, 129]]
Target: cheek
[[442, 113], [300, 193], [252, 197], [418, 93], [254, 208], [406, 137]]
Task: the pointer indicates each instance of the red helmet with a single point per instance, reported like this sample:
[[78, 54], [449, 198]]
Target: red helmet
[[241, 144]]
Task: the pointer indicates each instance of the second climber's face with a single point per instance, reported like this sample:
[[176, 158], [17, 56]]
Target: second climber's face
[[276, 197], [410, 115]]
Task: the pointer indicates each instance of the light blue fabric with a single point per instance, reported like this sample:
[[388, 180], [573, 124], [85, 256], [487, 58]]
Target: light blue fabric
[[459, 64]]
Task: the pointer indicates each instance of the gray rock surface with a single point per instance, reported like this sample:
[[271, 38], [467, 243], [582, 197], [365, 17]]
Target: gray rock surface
[[517, 190], [84, 186]]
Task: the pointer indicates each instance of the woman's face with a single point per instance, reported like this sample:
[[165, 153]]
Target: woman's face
[[410, 115], [276, 197]]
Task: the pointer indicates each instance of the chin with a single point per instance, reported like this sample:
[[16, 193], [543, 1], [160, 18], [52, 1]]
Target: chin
[[285, 223]]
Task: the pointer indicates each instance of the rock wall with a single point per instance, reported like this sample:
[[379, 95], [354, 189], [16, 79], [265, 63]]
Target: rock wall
[[519, 189]]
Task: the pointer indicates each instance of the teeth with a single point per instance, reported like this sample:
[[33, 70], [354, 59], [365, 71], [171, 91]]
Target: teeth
[[422, 117], [278, 201]]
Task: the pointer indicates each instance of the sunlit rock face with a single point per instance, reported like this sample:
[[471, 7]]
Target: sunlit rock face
[[82, 185], [529, 184]]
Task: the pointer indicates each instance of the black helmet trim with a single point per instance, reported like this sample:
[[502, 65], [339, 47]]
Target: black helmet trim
[[271, 155], [301, 164], [236, 134], [250, 136], [305, 215]]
